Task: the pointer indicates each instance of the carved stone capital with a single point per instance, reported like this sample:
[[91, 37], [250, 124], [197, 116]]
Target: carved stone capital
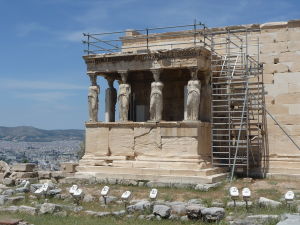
[[110, 81], [156, 74], [194, 71], [93, 79], [124, 75]]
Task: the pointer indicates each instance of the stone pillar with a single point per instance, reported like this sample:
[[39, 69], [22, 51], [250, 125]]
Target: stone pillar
[[156, 97], [124, 97], [93, 99], [110, 100], [193, 97]]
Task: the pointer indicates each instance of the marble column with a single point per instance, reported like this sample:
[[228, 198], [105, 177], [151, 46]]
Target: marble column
[[110, 100], [124, 97], [93, 99], [156, 97], [193, 97]]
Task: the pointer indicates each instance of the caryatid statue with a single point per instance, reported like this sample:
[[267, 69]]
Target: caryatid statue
[[124, 97], [193, 97], [93, 99], [156, 97], [110, 100]]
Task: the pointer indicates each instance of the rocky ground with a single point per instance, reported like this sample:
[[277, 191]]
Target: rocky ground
[[202, 204]]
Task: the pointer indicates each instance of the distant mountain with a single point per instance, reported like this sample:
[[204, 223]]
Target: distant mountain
[[32, 134]]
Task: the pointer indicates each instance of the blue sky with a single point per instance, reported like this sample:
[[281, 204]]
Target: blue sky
[[42, 74]]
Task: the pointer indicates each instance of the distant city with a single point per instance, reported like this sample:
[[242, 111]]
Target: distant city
[[47, 153]]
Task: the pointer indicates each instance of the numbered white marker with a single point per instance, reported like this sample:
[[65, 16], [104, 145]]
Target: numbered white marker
[[23, 182], [73, 189], [105, 191], [45, 187], [126, 195], [289, 196], [39, 191], [234, 192], [246, 193], [153, 193], [78, 192], [26, 184]]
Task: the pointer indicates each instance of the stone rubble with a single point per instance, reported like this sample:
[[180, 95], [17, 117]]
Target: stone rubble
[[144, 209], [268, 202]]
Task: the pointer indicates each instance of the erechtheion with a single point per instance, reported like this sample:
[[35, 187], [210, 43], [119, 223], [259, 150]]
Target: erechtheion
[[194, 102]]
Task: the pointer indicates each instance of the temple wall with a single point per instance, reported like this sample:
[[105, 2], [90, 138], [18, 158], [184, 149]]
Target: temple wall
[[280, 53]]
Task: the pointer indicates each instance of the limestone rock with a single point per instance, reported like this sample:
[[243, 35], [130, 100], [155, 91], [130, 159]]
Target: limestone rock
[[22, 190], [178, 209], [55, 191], [10, 209], [217, 204], [141, 217], [3, 199], [150, 217], [255, 220], [44, 174], [14, 200], [152, 184], [88, 198], [207, 187], [184, 218], [194, 211], [8, 192], [23, 175], [23, 167], [4, 167], [8, 182], [139, 206], [28, 210], [291, 219], [174, 217], [162, 211], [194, 201], [109, 199], [68, 167], [119, 213], [102, 214], [49, 208], [268, 202], [213, 214], [90, 213], [238, 204]]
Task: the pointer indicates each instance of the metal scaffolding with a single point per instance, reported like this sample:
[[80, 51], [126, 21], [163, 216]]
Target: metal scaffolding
[[237, 111]]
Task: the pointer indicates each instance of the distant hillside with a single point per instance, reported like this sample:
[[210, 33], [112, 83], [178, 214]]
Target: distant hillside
[[32, 134]]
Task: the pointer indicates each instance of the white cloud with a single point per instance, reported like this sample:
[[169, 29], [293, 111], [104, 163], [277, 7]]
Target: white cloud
[[49, 96], [38, 85], [25, 29]]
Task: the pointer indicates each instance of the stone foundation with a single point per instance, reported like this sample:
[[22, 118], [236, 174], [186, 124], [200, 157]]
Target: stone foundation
[[176, 152]]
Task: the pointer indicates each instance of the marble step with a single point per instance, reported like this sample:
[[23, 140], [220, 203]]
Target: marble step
[[158, 178], [149, 171]]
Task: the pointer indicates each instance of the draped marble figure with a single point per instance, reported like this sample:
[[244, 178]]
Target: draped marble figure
[[193, 100], [93, 102], [124, 99], [156, 100]]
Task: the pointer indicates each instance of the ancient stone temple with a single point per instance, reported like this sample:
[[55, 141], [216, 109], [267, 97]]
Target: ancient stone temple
[[191, 104], [163, 132]]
